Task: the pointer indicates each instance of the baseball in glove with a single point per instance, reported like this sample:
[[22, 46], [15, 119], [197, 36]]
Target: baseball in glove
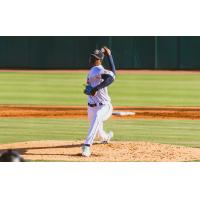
[[89, 90]]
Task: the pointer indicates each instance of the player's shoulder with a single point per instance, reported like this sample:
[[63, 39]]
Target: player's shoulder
[[97, 70], [108, 72]]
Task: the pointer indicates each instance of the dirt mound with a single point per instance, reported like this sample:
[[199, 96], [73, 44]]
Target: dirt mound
[[115, 151], [81, 112]]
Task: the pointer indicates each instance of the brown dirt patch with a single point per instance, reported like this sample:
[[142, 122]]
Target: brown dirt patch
[[129, 71], [81, 112], [115, 151]]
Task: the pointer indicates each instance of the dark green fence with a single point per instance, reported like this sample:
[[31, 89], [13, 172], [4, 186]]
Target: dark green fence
[[70, 52]]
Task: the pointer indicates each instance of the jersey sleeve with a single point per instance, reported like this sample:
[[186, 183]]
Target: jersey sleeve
[[97, 72], [109, 73]]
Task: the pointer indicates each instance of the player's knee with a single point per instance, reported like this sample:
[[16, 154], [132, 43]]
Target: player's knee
[[98, 117]]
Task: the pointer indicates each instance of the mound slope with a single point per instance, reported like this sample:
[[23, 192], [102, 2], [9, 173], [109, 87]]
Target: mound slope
[[115, 151]]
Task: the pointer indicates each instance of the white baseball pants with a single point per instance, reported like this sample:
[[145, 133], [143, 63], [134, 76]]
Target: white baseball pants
[[96, 116]]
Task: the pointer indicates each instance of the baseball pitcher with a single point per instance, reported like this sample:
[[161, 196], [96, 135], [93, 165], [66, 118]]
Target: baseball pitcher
[[99, 102]]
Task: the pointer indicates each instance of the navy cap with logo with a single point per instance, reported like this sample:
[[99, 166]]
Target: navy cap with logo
[[98, 54]]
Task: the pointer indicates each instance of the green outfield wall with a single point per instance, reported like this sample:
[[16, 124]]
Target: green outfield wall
[[130, 52]]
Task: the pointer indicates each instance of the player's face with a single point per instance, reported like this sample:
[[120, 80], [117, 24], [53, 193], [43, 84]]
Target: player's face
[[93, 61]]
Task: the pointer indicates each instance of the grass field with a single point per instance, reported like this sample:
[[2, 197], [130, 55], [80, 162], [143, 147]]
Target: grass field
[[184, 132], [129, 90]]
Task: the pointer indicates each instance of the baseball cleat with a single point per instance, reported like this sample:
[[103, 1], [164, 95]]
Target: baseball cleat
[[110, 136], [86, 151]]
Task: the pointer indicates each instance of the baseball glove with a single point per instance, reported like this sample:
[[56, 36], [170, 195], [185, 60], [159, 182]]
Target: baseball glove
[[89, 90]]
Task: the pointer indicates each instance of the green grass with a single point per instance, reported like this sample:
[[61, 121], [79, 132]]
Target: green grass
[[62, 88], [183, 132], [129, 89]]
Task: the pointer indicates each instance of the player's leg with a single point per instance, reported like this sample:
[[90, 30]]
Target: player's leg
[[91, 112], [100, 114], [96, 116], [91, 132], [108, 113], [101, 133], [91, 118], [107, 136], [94, 127]]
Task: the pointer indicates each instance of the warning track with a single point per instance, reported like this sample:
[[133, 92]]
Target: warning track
[[81, 112]]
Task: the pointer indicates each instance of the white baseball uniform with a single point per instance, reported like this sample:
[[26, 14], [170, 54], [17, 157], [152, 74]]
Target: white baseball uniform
[[103, 109]]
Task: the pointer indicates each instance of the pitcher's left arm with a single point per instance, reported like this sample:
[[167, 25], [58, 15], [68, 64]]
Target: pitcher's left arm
[[107, 52]]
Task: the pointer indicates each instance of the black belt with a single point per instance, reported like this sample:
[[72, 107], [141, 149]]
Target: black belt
[[94, 105]]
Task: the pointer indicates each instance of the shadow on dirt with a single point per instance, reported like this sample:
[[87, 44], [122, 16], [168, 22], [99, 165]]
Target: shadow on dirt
[[23, 151]]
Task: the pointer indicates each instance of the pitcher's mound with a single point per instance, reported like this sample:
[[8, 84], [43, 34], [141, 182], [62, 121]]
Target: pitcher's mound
[[115, 151]]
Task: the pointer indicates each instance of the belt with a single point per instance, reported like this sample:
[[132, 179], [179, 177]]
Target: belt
[[94, 105]]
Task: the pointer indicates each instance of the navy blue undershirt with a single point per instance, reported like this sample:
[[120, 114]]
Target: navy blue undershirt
[[111, 62], [107, 79]]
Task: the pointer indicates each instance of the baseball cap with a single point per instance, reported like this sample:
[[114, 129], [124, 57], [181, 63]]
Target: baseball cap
[[98, 54]]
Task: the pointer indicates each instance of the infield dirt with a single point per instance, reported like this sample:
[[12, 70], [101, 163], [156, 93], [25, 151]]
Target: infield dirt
[[115, 151], [81, 112]]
